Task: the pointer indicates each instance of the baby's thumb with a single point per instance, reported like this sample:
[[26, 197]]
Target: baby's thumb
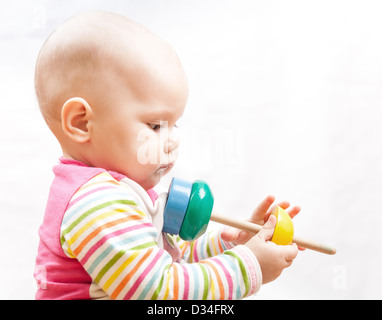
[[229, 235], [268, 229]]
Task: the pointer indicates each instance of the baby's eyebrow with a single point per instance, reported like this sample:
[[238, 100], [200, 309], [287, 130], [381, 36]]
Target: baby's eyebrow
[[162, 115]]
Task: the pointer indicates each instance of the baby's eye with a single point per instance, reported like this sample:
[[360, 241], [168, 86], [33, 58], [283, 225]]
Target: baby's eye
[[155, 126]]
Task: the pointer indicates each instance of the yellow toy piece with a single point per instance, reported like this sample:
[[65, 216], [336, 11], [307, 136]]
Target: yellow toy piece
[[283, 234]]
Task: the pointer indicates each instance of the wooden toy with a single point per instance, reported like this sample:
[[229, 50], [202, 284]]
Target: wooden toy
[[189, 210]]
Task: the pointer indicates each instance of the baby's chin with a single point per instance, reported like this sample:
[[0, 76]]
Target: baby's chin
[[151, 175], [150, 182], [157, 175]]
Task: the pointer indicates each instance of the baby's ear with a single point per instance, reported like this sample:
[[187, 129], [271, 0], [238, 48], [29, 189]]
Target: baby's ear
[[75, 116]]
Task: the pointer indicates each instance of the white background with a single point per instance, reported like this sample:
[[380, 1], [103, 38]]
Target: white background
[[285, 99]]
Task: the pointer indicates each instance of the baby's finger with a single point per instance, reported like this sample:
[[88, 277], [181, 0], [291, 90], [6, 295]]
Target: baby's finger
[[290, 253], [284, 204], [294, 211], [229, 234], [261, 210], [268, 229]]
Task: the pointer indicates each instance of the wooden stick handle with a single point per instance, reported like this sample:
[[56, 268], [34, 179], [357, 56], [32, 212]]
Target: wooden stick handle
[[255, 228]]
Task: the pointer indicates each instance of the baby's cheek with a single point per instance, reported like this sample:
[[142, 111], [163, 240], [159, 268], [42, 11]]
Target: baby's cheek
[[148, 147]]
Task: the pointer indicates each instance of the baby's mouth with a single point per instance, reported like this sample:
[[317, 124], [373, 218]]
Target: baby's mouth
[[165, 167]]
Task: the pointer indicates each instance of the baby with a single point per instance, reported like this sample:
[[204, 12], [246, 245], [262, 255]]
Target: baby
[[111, 92]]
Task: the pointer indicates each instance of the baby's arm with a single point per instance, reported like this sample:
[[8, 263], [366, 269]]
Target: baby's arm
[[115, 242], [273, 259], [208, 245]]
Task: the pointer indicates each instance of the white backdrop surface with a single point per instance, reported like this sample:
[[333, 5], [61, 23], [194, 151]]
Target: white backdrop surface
[[285, 99]]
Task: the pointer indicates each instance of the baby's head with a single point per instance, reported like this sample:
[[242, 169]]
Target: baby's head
[[111, 92]]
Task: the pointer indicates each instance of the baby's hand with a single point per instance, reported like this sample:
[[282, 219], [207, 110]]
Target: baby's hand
[[259, 216], [273, 258]]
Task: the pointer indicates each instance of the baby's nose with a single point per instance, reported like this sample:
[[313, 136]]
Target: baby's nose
[[171, 145]]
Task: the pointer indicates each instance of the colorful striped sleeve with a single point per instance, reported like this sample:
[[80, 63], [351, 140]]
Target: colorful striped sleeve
[[105, 229], [208, 245]]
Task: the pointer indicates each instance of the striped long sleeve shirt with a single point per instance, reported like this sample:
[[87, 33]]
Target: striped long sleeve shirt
[[101, 238]]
